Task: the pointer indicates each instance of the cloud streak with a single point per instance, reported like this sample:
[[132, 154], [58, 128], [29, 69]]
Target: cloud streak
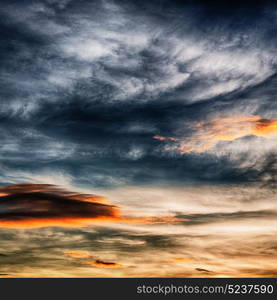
[[103, 264], [41, 205], [45, 205], [206, 134]]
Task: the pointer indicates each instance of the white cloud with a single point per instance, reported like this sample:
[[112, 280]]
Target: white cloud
[[166, 200], [86, 49]]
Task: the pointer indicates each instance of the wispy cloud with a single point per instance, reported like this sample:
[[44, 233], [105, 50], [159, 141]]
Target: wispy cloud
[[77, 253], [45, 205], [41, 205], [102, 264], [207, 134]]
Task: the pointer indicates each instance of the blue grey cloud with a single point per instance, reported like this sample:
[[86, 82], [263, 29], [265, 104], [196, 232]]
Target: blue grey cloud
[[86, 86]]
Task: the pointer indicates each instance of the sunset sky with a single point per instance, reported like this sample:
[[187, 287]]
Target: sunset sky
[[138, 138]]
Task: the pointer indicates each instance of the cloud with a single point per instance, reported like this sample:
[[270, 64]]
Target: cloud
[[181, 260], [39, 252], [77, 253], [80, 254], [195, 219], [213, 203], [94, 83], [41, 205], [208, 133], [203, 270], [103, 264], [45, 205], [267, 273], [84, 90]]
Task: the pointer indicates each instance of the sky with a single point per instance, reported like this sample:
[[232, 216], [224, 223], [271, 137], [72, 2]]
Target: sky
[[138, 138]]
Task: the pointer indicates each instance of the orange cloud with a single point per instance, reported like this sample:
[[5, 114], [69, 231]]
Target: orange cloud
[[77, 253], [151, 220], [181, 260], [38, 205], [164, 138], [93, 263], [203, 270], [42, 205], [102, 264], [55, 222], [207, 134]]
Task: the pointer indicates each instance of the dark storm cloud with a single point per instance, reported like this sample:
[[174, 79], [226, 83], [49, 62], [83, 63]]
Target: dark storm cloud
[[86, 86], [43, 205]]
